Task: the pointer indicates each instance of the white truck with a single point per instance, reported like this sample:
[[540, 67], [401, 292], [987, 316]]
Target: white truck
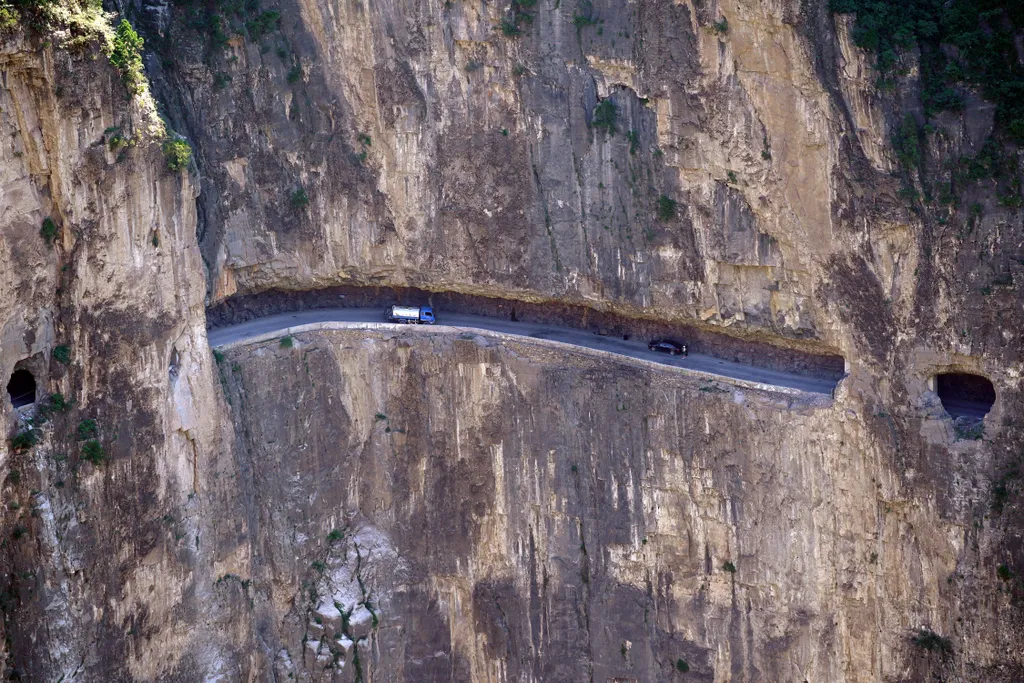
[[410, 314]]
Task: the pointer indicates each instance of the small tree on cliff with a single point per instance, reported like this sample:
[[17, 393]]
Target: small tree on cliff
[[126, 55], [177, 152]]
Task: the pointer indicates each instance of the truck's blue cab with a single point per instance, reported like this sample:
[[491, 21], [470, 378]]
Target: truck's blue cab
[[427, 315]]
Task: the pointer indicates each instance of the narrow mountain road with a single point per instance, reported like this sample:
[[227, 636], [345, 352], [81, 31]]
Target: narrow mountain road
[[242, 332]]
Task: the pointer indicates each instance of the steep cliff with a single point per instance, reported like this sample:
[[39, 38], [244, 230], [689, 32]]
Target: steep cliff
[[435, 506], [736, 165], [429, 506], [103, 573]]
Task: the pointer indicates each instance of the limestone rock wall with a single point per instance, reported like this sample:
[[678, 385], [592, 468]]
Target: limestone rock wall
[[443, 508], [437, 151], [103, 569], [434, 150], [430, 506]]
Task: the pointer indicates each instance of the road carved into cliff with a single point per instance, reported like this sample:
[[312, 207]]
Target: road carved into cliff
[[262, 329]]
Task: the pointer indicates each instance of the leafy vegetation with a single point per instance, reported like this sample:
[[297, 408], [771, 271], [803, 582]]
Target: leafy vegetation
[[634, 141], [666, 208], [62, 354], [584, 16], [9, 18], [221, 20], [56, 403], [605, 115], [287, 342], [906, 140], [721, 27], [116, 142], [299, 198], [729, 567], [59, 404], [969, 430], [682, 666], [24, 440], [926, 639], [517, 15], [262, 24], [93, 451], [87, 429], [982, 34], [125, 54], [177, 152], [80, 21], [49, 230]]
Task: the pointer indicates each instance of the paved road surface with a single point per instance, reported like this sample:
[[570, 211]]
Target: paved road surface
[[633, 349]]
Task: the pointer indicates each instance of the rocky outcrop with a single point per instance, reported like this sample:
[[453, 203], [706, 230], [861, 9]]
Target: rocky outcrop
[[727, 165], [434, 506], [437, 151], [104, 575]]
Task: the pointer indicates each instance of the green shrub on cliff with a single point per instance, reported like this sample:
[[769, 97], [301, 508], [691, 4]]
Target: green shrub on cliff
[[24, 440], [86, 429], [62, 354], [982, 33], [262, 24], [49, 230], [9, 18], [81, 21], [926, 639], [93, 451], [125, 54], [177, 152], [666, 208], [605, 115], [299, 198]]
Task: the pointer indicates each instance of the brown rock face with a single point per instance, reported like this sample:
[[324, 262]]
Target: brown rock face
[[102, 572], [371, 506], [428, 506], [631, 157]]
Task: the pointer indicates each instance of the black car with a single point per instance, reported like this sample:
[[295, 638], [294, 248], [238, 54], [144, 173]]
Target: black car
[[668, 346]]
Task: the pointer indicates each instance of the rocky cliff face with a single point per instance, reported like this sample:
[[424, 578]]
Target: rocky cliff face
[[103, 571], [439, 507], [730, 164], [363, 506]]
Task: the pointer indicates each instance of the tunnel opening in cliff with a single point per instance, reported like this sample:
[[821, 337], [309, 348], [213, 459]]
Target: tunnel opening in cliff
[[22, 388], [965, 394]]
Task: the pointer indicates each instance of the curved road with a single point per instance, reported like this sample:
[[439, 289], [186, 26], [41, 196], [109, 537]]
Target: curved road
[[261, 327]]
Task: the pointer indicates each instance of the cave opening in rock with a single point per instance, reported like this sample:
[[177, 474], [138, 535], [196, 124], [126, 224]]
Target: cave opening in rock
[[965, 395], [22, 388]]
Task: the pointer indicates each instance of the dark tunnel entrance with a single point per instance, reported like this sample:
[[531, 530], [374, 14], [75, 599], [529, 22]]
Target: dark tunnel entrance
[[965, 395], [22, 388]]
